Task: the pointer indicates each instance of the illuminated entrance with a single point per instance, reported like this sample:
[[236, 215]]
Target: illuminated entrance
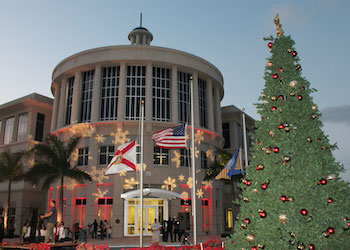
[[155, 206]]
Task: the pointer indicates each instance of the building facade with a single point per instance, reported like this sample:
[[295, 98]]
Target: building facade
[[22, 122], [98, 93]]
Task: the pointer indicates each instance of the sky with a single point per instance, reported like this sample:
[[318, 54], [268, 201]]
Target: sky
[[37, 35]]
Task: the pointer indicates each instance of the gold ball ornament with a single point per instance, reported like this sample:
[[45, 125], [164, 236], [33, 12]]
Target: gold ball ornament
[[291, 199], [314, 117], [287, 129], [263, 95], [292, 93], [301, 246], [269, 64], [272, 134], [287, 158], [245, 199], [261, 246], [292, 234], [293, 84], [289, 50], [255, 190], [274, 98], [309, 139], [282, 218], [250, 238], [314, 107], [331, 177], [244, 226]]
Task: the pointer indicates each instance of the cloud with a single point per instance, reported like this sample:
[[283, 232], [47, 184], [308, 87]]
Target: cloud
[[340, 114]]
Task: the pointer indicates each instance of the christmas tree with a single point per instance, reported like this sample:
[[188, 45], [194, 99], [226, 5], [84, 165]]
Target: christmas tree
[[292, 195]]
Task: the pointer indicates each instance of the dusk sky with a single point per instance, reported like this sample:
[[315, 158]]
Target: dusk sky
[[37, 35]]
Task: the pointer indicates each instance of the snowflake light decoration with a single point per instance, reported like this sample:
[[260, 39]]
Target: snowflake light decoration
[[169, 184], [100, 193], [120, 136], [198, 171], [122, 173], [189, 182], [130, 183], [196, 152], [98, 175], [176, 159], [184, 195], [198, 137], [181, 177], [199, 193], [100, 138], [82, 129], [207, 183]]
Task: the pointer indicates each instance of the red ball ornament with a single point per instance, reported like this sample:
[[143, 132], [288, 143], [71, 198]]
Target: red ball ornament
[[259, 142], [300, 97], [323, 182], [269, 45], [330, 230], [281, 126], [273, 108], [346, 219], [276, 149], [349, 224], [330, 200], [254, 248], [274, 76], [247, 221], [248, 183], [264, 186], [311, 247], [294, 53], [302, 87], [283, 198], [281, 97], [262, 214], [280, 69], [303, 212]]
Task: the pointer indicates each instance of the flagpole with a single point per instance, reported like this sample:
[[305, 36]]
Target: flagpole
[[194, 207], [245, 140], [141, 174]]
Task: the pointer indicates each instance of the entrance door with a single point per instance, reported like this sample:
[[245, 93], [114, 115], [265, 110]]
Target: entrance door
[[149, 214]]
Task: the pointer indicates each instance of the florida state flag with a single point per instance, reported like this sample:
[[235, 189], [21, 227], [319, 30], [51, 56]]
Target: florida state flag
[[123, 160]]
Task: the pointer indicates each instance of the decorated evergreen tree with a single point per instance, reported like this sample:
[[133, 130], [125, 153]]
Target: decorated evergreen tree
[[293, 197]]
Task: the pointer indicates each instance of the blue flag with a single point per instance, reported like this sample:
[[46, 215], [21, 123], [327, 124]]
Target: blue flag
[[233, 167]]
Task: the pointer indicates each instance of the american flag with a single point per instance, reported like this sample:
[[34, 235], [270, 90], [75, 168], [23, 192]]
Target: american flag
[[171, 137]]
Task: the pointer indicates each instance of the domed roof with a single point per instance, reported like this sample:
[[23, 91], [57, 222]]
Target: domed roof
[[141, 28]]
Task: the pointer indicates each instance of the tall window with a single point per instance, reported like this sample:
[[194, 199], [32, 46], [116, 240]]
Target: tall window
[[22, 127], [214, 109], [239, 135], [184, 97], [83, 156], [39, 130], [204, 160], [184, 157], [135, 91], [106, 154], [202, 92], [109, 93], [228, 218], [86, 95], [69, 100], [161, 156], [161, 94], [226, 134], [9, 130]]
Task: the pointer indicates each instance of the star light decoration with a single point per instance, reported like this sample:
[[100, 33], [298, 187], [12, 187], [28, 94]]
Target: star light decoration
[[184, 195], [130, 183], [177, 159], [98, 175], [169, 184], [82, 129], [199, 193], [207, 183], [122, 173], [181, 177], [198, 137], [100, 138], [100, 193], [138, 166], [120, 136]]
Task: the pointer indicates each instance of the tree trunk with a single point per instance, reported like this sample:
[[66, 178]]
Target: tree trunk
[[7, 205], [61, 198]]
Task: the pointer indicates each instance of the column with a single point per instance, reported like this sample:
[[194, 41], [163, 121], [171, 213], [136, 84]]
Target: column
[[61, 107], [148, 102], [96, 95], [122, 92], [218, 111], [210, 105], [56, 94], [76, 98], [195, 100], [174, 96]]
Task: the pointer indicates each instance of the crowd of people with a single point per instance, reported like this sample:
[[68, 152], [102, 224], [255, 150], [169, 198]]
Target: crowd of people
[[170, 228], [100, 230]]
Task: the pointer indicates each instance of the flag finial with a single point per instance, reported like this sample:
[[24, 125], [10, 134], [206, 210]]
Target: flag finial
[[279, 29]]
